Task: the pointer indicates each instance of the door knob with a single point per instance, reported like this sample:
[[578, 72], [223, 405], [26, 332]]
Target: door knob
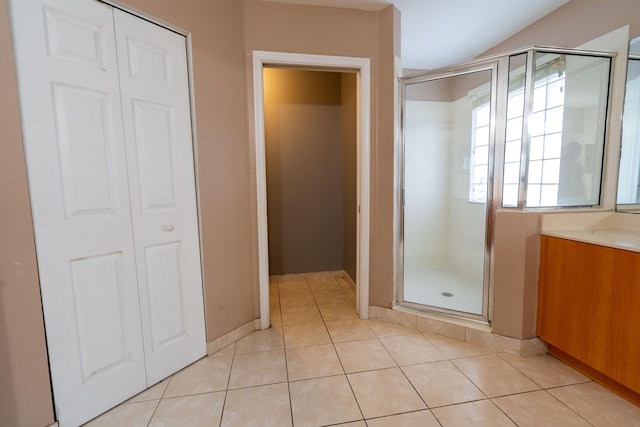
[[167, 227]]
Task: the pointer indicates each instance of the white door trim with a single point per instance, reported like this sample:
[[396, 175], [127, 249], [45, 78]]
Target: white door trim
[[362, 67]]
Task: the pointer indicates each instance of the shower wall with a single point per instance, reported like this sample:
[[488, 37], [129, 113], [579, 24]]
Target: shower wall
[[442, 228], [426, 183], [467, 220]]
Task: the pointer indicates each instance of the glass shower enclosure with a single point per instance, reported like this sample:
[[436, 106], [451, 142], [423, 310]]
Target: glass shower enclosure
[[502, 133]]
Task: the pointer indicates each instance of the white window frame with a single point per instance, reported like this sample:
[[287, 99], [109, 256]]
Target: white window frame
[[474, 197]]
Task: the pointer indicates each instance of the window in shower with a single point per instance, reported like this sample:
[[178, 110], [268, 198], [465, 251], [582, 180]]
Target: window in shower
[[545, 141], [480, 153], [513, 134]]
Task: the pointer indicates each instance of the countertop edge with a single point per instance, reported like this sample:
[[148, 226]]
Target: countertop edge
[[627, 240]]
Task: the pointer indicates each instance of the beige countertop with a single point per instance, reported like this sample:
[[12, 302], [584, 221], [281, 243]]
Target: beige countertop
[[614, 230]]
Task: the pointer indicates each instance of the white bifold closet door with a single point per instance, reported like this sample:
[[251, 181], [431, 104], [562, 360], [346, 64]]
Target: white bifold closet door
[[106, 125]]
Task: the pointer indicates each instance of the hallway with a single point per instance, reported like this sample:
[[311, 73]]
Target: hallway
[[320, 365]]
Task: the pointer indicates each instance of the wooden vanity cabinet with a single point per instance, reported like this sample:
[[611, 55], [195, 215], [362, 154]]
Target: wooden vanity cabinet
[[589, 311]]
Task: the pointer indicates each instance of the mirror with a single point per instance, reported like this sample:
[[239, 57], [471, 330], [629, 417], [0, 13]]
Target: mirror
[[629, 174]]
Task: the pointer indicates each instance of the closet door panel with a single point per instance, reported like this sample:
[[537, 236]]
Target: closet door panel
[[76, 164], [153, 137], [85, 145], [157, 123], [98, 289], [165, 296]]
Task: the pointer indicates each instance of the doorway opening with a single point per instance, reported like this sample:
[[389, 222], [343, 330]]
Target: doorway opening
[[290, 250], [310, 144]]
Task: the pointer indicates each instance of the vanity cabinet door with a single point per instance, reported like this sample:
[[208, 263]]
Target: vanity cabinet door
[[575, 300], [588, 307], [624, 364]]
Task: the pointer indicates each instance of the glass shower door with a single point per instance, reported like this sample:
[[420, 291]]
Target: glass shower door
[[448, 135]]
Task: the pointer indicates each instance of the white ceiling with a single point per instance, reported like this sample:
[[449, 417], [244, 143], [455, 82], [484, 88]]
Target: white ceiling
[[439, 33]]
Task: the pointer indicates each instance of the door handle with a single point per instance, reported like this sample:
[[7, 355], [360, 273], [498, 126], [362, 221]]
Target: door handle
[[168, 227]]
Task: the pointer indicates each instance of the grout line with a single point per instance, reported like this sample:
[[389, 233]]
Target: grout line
[[486, 399], [344, 373], [224, 404], [160, 400], [520, 371], [414, 388], [286, 364], [284, 349], [154, 412], [569, 407], [469, 379], [403, 413], [537, 391]]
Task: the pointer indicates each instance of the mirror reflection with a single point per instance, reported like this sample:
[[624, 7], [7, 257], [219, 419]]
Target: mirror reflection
[[629, 174]]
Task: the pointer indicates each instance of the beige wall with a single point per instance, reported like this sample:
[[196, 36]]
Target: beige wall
[[303, 148], [515, 275], [382, 158]]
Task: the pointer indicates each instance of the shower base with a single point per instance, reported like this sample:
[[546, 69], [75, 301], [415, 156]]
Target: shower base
[[442, 287]]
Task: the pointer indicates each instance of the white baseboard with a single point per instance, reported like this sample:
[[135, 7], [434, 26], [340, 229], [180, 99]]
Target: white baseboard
[[319, 275], [349, 280], [232, 336]]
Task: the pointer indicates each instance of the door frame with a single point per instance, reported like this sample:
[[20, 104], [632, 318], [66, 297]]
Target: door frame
[[362, 68], [494, 191]]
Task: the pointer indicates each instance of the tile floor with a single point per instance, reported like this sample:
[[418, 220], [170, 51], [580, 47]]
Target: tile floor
[[319, 365]]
